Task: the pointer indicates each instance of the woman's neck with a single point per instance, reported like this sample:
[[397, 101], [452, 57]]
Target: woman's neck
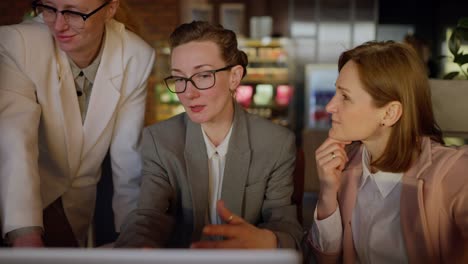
[[376, 146], [84, 58], [218, 130]]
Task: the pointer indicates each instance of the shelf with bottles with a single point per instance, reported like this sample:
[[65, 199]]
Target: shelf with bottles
[[270, 74], [266, 90], [168, 104], [268, 60], [267, 100]]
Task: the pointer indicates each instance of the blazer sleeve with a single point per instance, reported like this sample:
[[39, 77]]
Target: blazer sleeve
[[278, 212], [455, 197], [125, 147], [20, 198], [151, 224]]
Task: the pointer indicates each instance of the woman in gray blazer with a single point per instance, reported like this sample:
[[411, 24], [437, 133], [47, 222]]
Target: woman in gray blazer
[[214, 151]]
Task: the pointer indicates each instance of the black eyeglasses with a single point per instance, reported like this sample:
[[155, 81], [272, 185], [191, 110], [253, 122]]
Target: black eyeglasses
[[201, 80], [74, 19]]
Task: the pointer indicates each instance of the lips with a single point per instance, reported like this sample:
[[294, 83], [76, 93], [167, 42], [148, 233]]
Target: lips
[[197, 108], [64, 38]]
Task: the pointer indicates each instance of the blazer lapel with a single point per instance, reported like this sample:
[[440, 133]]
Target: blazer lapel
[[413, 220], [105, 94], [70, 111], [237, 166], [196, 162], [347, 198]]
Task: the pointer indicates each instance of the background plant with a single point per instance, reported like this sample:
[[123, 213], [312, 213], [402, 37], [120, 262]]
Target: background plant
[[458, 56]]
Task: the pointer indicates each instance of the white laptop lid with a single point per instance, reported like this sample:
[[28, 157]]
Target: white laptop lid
[[147, 256]]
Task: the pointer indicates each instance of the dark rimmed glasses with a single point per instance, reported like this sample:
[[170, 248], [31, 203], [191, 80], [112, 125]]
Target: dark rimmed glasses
[[74, 19], [201, 80]]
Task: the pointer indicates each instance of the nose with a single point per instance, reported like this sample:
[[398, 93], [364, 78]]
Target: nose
[[191, 91], [60, 23], [331, 106]]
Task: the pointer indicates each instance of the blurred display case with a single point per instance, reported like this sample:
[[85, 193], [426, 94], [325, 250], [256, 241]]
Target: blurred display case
[[320, 88], [266, 90], [161, 103]]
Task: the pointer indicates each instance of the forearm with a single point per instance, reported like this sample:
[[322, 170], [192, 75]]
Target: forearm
[[327, 203], [19, 173], [283, 222], [145, 229]]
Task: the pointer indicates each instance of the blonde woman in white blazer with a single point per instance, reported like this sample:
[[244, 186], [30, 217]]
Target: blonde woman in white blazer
[[50, 155]]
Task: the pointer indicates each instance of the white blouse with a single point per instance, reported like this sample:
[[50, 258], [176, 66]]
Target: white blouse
[[375, 222]]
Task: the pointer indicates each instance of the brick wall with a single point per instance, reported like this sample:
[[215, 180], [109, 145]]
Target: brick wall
[[158, 18], [12, 11]]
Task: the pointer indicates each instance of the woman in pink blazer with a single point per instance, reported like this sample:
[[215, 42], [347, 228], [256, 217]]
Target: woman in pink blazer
[[396, 194]]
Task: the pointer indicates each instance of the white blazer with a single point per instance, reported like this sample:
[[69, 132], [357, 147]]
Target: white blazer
[[45, 150]]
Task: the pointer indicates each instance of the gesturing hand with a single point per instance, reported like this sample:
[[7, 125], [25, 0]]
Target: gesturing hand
[[33, 240], [237, 233]]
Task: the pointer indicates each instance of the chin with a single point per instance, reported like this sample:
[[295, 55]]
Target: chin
[[333, 134], [196, 118], [66, 47]]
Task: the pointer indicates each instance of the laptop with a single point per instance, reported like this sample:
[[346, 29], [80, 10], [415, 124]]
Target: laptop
[[148, 256]]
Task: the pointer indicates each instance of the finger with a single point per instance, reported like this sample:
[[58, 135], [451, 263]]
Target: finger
[[341, 142], [206, 244], [332, 152], [326, 154], [326, 148], [330, 141], [226, 215], [227, 230], [331, 167]]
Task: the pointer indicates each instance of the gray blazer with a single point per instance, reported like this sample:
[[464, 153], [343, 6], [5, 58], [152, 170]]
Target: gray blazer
[[257, 183]]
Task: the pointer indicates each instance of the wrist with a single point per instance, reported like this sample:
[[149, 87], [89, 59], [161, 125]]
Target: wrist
[[26, 237], [328, 194], [327, 203]]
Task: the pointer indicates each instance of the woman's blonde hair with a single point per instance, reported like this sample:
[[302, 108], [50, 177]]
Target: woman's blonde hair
[[393, 71], [123, 15]]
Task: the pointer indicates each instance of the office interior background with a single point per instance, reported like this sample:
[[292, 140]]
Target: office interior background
[[293, 47]]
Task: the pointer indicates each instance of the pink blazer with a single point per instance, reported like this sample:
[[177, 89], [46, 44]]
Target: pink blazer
[[433, 204]]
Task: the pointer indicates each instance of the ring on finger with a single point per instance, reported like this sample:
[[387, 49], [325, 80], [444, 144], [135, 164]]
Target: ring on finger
[[230, 219]]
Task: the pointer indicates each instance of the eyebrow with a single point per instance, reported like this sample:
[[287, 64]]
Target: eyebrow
[[343, 88], [67, 7], [196, 67]]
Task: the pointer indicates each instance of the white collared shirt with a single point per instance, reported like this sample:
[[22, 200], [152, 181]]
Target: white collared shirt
[[84, 80], [216, 164], [375, 222]]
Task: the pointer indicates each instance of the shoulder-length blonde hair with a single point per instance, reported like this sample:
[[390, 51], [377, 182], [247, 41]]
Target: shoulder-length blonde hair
[[124, 16], [393, 71]]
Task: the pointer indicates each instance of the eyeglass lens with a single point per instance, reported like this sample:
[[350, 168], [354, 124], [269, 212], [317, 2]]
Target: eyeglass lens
[[202, 80], [50, 15]]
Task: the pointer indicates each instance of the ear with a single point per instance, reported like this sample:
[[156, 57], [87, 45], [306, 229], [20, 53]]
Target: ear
[[236, 77], [112, 10], [392, 114]]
